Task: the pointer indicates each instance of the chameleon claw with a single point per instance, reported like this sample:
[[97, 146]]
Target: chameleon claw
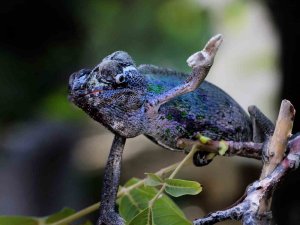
[[202, 158], [213, 44], [206, 56]]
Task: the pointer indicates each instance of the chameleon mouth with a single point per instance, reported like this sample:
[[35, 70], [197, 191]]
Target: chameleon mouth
[[94, 92], [82, 94]]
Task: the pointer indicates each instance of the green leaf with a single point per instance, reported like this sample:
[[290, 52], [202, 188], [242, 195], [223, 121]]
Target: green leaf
[[135, 203], [177, 187], [153, 180], [143, 218], [65, 212], [18, 220], [129, 208]]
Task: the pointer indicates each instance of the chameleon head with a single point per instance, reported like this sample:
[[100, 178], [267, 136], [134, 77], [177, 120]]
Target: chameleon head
[[111, 92]]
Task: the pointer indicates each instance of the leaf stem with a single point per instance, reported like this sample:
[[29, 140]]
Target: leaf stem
[[78, 214], [173, 174]]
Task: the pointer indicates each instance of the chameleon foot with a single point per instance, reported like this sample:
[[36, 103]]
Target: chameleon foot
[[206, 57], [202, 158], [110, 218]]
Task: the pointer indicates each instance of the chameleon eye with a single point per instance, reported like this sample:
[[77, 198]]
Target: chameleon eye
[[120, 78]]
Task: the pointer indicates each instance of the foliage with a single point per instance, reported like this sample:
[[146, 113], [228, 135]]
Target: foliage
[[140, 202], [37, 66], [135, 209]]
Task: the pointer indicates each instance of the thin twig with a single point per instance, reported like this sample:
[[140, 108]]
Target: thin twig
[[244, 149], [180, 165]]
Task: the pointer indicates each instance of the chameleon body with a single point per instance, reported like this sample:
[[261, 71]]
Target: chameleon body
[[208, 110], [162, 104], [121, 106]]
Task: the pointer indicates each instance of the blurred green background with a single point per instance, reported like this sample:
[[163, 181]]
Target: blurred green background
[[46, 41], [52, 155]]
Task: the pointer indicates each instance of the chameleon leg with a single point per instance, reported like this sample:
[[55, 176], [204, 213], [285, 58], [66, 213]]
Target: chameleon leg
[[200, 62], [108, 215], [262, 126]]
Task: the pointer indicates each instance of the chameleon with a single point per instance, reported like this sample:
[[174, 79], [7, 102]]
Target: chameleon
[[162, 104]]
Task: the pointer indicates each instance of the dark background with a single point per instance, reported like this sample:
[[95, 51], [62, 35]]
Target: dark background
[[43, 42]]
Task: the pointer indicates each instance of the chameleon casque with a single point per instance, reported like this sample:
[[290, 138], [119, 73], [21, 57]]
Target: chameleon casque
[[162, 104]]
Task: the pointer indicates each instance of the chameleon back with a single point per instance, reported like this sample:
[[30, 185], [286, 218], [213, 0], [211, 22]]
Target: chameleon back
[[208, 110]]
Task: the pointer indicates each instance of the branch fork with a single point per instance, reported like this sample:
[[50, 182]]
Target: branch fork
[[283, 156]]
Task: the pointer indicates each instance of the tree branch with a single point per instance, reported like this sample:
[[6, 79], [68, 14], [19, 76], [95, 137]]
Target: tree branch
[[278, 142], [254, 209], [231, 148], [257, 190], [275, 150]]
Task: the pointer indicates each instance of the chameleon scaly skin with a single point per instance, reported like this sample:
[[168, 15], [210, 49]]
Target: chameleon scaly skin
[[160, 103], [116, 93], [207, 110]]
